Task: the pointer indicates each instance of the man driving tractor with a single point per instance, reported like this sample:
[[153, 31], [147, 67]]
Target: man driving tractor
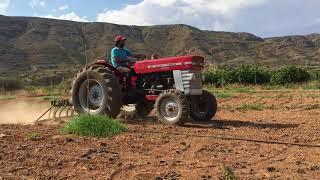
[[120, 56], [172, 86]]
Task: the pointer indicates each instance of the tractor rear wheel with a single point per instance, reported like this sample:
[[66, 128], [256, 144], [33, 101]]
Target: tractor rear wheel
[[172, 107], [96, 90], [203, 107]]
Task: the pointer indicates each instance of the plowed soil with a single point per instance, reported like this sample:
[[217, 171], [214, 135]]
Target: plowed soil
[[278, 140]]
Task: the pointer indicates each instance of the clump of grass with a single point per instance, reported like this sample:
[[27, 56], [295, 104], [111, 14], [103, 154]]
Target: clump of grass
[[223, 95], [228, 173], [315, 85], [245, 90], [34, 136], [93, 126], [256, 107], [43, 91], [7, 97]]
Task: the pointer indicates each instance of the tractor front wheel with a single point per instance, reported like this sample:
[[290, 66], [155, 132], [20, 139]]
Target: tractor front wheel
[[172, 107], [203, 107]]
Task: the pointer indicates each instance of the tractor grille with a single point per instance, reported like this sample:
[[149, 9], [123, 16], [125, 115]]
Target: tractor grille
[[189, 81]]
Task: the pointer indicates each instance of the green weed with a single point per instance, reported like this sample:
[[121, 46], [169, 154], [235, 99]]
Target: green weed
[[223, 95], [245, 90], [228, 173], [93, 126], [247, 107], [34, 136], [7, 97]]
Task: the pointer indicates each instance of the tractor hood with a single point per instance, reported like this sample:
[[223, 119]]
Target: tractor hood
[[169, 64]]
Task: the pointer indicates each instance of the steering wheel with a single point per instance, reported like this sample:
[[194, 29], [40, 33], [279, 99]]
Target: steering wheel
[[133, 60], [141, 57]]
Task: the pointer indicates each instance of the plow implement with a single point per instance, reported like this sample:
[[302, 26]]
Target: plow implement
[[60, 108]]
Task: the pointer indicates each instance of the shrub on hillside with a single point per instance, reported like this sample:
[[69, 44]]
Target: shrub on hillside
[[10, 84], [230, 75], [220, 76], [290, 74], [252, 75], [315, 75], [64, 87], [213, 76], [242, 75]]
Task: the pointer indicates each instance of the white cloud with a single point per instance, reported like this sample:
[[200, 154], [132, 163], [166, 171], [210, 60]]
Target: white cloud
[[4, 4], [37, 3], [64, 7], [69, 16], [205, 14]]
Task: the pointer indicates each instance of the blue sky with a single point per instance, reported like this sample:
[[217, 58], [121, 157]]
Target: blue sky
[[266, 18], [83, 8]]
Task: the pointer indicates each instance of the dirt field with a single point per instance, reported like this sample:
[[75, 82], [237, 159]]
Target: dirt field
[[244, 137]]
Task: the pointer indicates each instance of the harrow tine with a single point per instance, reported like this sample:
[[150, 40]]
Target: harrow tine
[[55, 113], [67, 114], [69, 111], [50, 111], [57, 108], [66, 110], [44, 113], [62, 109]]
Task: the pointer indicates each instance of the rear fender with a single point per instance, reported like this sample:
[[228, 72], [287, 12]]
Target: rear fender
[[118, 74], [109, 66]]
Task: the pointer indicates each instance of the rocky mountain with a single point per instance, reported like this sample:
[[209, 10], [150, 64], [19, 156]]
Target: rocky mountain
[[38, 49]]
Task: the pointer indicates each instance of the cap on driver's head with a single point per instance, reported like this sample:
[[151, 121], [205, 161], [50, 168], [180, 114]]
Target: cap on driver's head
[[120, 38]]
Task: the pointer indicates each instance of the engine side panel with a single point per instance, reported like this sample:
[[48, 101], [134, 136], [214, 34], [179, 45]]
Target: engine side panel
[[166, 64], [188, 81]]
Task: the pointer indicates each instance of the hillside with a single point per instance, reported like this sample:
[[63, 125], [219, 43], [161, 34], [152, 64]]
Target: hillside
[[39, 49]]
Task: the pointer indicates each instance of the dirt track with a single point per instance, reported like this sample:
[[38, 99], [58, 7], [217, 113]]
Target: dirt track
[[150, 150]]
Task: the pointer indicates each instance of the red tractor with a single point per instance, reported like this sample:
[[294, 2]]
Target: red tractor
[[173, 86]]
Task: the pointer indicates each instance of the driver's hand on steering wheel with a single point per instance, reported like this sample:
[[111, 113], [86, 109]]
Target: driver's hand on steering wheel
[[141, 56]]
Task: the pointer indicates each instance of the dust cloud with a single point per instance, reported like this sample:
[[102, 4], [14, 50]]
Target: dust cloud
[[22, 111]]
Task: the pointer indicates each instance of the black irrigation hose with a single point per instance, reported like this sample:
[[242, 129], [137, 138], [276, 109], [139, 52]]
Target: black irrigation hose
[[235, 139]]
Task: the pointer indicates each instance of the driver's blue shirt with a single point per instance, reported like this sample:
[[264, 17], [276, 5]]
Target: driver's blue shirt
[[122, 54]]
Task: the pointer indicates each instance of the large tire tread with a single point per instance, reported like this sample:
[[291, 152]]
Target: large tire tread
[[212, 108], [182, 101], [111, 84]]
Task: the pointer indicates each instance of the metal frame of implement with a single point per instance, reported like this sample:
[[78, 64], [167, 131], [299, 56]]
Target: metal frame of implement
[[57, 107]]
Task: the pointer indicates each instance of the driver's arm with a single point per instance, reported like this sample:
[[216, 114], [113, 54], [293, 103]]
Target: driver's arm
[[139, 56], [119, 59]]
